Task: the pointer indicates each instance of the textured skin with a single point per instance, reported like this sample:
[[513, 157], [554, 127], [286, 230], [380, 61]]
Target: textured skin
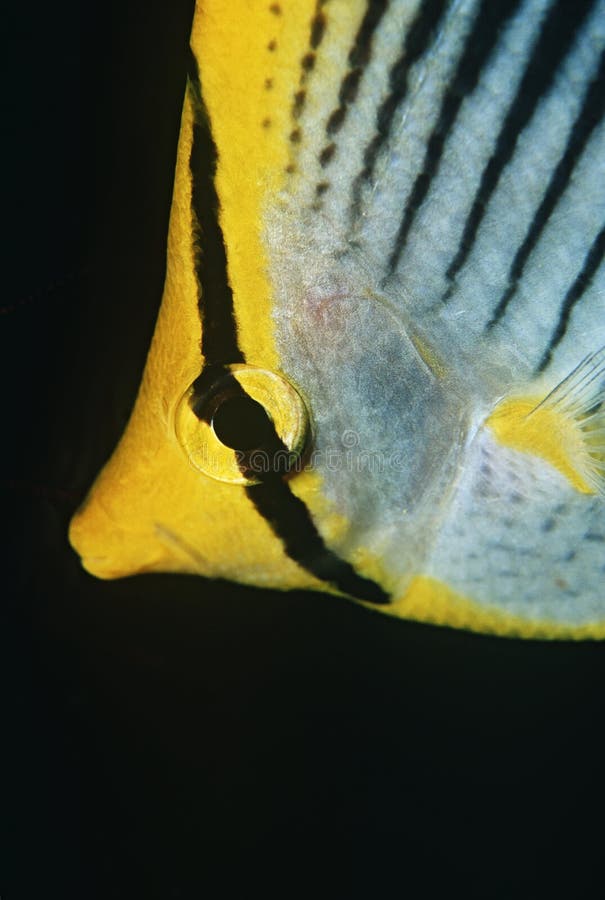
[[400, 362]]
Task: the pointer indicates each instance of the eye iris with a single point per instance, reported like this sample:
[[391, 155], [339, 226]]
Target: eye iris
[[242, 424]]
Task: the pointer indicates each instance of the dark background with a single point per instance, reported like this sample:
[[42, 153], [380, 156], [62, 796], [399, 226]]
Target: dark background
[[173, 737]]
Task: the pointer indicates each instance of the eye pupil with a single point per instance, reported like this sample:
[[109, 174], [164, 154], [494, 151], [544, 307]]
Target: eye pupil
[[242, 423]]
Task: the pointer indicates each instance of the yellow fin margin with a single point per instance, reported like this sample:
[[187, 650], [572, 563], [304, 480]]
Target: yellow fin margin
[[527, 426], [431, 601], [566, 428]]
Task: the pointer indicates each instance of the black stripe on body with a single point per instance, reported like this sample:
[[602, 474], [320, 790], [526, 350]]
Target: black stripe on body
[[318, 25], [359, 56], [215, 298], [418, 38], [555, 39], [478, 48], [592, 261], [590, 115], [287, 515], [317, 31]]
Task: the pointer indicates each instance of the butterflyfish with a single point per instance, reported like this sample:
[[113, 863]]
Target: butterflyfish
[[378, 368]]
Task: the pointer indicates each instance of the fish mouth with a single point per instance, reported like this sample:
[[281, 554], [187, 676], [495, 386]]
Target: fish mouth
[[100, 567], [109, 551], [104, 567]]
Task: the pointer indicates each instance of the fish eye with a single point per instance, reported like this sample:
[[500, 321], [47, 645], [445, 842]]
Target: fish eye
[[242, 424]]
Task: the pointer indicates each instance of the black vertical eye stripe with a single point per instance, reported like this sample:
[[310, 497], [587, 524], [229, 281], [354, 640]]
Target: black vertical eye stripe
[[286, 513], [591, 114], [215, 298], [591, 265], [479, 46], [292, 523], [289, 518], [556, 37], [417, 40]]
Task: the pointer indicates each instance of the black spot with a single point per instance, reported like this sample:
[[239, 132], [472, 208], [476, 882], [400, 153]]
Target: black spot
[[296, 136], [318, 28], [308, 62], [275, 8], [350, 86], [299, 102], [322, 187], [336, 119], [272, 45], [327, 154]]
